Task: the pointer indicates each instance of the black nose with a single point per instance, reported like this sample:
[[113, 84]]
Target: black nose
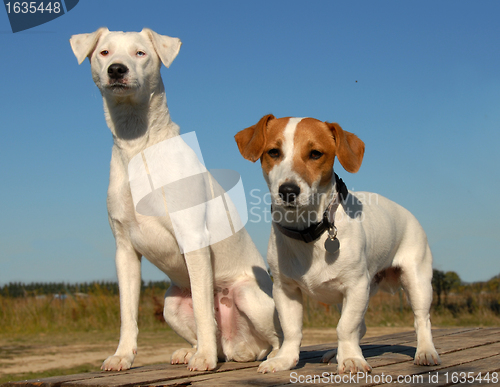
[[289, 192], [117, 71]]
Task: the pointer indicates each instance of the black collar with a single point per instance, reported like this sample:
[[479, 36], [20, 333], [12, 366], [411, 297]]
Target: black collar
[[315, 230]]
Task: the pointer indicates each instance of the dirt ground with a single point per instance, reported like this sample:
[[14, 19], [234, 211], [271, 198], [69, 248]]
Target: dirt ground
[[64, 351]]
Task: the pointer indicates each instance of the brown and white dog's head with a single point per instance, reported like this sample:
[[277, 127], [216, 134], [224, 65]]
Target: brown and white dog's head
[[297, 156], [125, 63]]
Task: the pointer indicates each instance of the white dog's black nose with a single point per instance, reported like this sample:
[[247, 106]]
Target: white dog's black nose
[[117, 71], [289, 192]]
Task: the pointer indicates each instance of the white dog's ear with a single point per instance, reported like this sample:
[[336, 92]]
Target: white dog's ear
[[252, 141], [350, 149], [166, 47], [84, 44]]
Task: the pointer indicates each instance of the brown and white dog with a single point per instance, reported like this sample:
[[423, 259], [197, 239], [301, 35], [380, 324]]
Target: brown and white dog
[[371, 242]]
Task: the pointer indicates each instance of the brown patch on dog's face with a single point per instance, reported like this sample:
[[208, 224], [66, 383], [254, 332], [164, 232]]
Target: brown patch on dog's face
[[273, 151], [314, 151], [301, 151]]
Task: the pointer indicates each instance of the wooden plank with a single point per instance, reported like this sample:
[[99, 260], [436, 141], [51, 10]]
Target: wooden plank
[[155, 375], [397, 338], [385, 355], [107, 378], [251, 377], [450, 361], [311, 370], [466, 374], [444, 344], [245, 377], [390, 354], [52, 381], [145, 373], [458, 342], [480, 359], [377, 355]]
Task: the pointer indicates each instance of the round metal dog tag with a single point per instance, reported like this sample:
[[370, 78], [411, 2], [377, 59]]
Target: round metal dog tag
[[332, 245]]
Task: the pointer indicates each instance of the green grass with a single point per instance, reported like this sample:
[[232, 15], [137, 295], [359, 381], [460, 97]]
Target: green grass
[[21, 317], [393, 310], [101, 311]]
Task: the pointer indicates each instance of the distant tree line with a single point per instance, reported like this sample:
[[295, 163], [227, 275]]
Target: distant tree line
[[443, 283], [19, 289], [450, 282], [468, 297]]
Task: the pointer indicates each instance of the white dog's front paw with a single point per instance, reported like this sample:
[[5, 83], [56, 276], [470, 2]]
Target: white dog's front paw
[[202, 362], [427, 357], [182, 356], [278, 363], [353, 365], [118, 363]]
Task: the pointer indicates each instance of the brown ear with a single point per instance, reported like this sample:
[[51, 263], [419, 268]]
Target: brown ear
[[350, 149], [252, 141]]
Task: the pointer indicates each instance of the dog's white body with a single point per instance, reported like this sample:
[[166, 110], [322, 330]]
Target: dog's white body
[[229, 277], [381, 243]]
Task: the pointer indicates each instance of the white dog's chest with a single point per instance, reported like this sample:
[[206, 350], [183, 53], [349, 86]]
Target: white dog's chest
[[318, 274], [151, 236], [329, 292]]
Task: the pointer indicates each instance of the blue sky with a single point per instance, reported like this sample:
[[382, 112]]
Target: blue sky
[[417, 81]]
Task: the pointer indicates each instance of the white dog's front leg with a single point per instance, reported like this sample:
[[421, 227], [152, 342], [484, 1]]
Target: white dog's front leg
[[202, 291], [349, 355], [128, 267], [288, 301]]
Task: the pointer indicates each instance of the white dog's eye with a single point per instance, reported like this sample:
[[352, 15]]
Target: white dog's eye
[[140, 53], [104, 52]]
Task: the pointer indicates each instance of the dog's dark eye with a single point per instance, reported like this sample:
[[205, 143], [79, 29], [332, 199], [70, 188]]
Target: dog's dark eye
[[274, 153], [104, 52], [315, 154], [140, 53]]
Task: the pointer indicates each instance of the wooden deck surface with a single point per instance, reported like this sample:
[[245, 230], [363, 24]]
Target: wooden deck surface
[[470, 356]]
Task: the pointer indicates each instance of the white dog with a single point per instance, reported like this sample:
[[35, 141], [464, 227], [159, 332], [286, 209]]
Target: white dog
[[220, 296], [334, 245]]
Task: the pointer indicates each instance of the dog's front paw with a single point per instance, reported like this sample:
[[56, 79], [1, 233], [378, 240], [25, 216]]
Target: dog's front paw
[[278, 363], [353, 365], [427, 357], [202, 362], [118, 363]]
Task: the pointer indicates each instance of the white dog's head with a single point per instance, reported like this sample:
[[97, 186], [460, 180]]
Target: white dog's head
[[297, 156], [125, 63]]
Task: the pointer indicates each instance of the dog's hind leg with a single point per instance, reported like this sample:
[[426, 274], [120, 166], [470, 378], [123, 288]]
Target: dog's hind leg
[[178, 313], [416, 278], [259, 308]]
